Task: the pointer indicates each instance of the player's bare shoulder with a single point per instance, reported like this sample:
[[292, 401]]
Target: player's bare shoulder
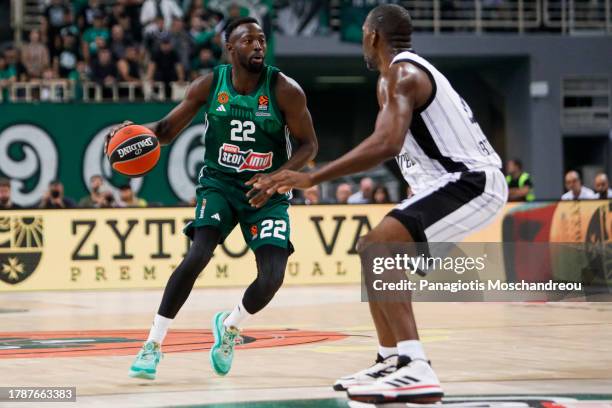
[[407, 79], [288, 92], [200, 88]]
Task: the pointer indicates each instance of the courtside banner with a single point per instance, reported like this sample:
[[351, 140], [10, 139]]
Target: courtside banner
[[139, 248]]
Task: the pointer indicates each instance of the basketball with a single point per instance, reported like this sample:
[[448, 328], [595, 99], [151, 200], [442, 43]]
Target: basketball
[[133, 151]]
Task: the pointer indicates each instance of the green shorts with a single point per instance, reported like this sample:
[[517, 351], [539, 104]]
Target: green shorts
[[222, 203]]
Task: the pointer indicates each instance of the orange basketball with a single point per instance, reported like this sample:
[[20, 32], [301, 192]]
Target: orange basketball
[[133, 150]]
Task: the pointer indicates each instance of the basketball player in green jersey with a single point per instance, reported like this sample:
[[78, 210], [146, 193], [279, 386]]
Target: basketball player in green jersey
[[251, 109]]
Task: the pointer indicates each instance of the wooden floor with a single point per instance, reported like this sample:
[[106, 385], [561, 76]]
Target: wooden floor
[[476, 348]]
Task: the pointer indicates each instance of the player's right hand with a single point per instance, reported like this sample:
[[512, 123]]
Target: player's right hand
[[112, 132]]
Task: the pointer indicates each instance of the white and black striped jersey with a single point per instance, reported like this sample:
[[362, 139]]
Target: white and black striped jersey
[[443, 137]]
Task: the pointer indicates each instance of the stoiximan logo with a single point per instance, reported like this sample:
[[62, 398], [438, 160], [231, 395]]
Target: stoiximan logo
[[21, 245]]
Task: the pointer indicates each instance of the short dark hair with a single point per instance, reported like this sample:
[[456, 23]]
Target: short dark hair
[[237, 23], [4, 182], [393, 22], [518, 163], [124, 187]]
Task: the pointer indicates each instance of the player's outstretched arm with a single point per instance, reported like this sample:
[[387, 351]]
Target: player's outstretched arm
[[174, 122], [397, 95], [292, 102]]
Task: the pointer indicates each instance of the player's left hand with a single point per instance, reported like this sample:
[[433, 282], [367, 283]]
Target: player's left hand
[[283, 181], [257, 197]]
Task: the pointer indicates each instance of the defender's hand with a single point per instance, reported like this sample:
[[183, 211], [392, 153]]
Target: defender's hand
[[283, 181], [258, 197], [112, 132]]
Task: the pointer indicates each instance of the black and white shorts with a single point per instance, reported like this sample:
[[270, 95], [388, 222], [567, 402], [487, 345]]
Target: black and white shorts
[[456, 205]]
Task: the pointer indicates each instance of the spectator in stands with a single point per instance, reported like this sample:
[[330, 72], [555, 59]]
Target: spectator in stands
[[56, 15], [575, 189], [165, 65], [117, 14], [167, 9], [49, 91], [7, 77], [87, 16], [204, 63], [108, 200], [90, 41], [381, 195], [68, 55], [131, 20], [54, 197], [520, 186], [153, 33], [602, 186], [104, 69], [312, 195], [129, 66], [35, 56], [364, 195], [96, 193], [127, 198], [181, 42], [14, 63], [5, 195], [118, 42], [343, 192]]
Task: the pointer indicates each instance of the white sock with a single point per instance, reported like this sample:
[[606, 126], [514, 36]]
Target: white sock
[[237, 317], [386, 351], [412, 349], [159, 329]]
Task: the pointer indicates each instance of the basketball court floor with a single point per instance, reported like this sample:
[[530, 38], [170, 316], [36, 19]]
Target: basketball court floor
[[547, 355]]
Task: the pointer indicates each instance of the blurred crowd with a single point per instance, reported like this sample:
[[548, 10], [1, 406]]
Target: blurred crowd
[[120, 41], [101, 196], [521, 186], [367, 191]]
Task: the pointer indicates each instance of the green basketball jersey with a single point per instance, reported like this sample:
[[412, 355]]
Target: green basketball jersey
[[245, 134]]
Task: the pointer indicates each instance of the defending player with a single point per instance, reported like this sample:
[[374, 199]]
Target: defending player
[[251, 109], [449, 164]]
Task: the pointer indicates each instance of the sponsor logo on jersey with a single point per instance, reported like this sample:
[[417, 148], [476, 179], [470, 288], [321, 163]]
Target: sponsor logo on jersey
[[404, 160], [253, 231], [216, 216], [222, 97], [221, 108], [231, 156]]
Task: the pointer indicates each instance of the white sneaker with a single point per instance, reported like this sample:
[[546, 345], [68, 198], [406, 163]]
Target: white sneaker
[[381, 368], [413, 381]]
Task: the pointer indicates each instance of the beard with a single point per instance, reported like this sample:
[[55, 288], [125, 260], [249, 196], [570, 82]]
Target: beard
[[4, 201], [254, 68]]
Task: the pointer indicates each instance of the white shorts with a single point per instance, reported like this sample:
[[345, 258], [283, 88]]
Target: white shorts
[[456, 205]]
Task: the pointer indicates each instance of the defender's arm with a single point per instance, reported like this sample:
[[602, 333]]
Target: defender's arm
[[398, 100]]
